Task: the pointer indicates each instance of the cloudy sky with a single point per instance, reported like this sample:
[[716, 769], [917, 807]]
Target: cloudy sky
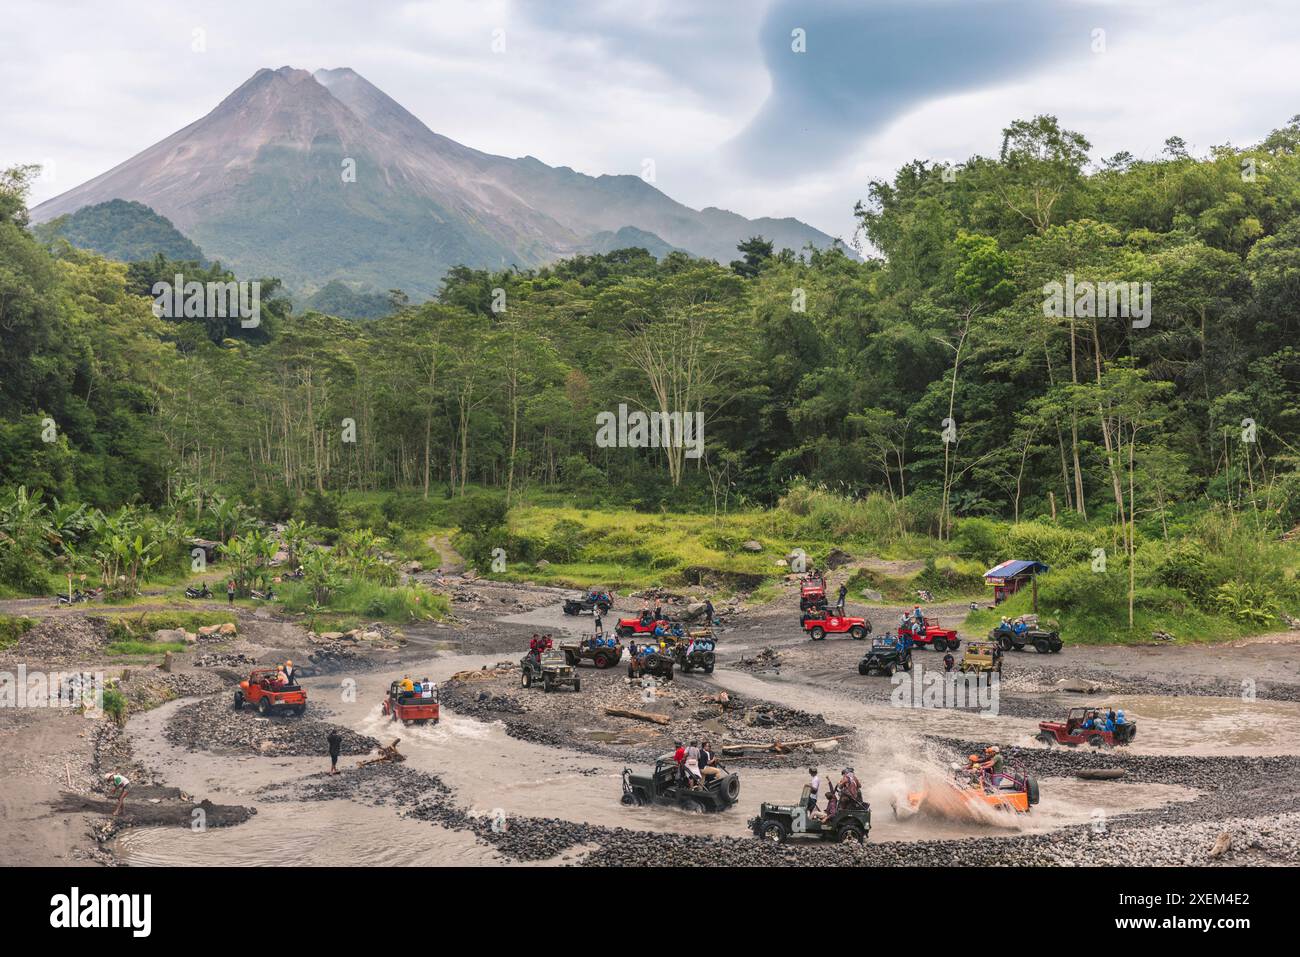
[[716, 92]]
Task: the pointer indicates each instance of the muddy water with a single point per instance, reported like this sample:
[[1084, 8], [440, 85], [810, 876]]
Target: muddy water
[[493, 773]]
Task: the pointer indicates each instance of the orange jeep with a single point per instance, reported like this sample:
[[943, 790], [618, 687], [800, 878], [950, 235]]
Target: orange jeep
[[261, 691]]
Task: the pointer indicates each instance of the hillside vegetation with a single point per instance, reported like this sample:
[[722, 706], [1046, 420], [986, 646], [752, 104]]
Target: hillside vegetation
[[926, 404]]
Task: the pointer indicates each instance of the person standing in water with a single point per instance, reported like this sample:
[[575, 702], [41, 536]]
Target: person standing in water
[[336, 745]]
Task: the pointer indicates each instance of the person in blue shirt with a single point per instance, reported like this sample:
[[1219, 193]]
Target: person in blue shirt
[[1119, 718]]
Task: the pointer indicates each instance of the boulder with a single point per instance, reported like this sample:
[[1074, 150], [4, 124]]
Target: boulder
[[207, 631], [752, 546], [782, 563], [542, 563], [227, 630], [838, 558], [174, 634], [870, 594], [414, 568]]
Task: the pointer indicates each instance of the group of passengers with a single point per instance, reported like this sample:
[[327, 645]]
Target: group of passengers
[[408, 689], [538, 644], [845, 793], [285, 677], [1107, 719], [696, 764], [990, 768]]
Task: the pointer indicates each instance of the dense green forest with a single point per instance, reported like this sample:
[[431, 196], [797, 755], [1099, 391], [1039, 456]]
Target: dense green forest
[[928, 378]]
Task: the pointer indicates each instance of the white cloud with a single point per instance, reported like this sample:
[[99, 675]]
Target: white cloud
[[601, 87]]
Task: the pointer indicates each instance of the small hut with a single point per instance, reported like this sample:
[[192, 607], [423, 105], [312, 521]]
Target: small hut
[[1009, 577]]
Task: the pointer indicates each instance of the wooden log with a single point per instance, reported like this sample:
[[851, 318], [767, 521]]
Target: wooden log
[[777, 746], [637, 715]]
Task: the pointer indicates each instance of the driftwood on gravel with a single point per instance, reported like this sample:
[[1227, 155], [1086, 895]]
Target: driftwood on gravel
[[780, 747], [1100, 774], [387, 752], [637, 715]]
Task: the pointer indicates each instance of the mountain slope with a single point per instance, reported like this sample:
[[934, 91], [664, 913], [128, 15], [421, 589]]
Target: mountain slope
[[262, 184], [122, 230]]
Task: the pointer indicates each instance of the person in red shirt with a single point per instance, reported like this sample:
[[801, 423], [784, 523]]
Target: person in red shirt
[[679, 756]]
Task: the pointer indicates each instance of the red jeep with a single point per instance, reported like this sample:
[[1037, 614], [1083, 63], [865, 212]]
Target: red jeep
[[410, 706], [812, 592], [1071, 732], [627, 627], [930, 635], [821, 624], [261, 691]]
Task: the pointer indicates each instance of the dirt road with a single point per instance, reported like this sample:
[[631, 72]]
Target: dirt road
[[513, 775]]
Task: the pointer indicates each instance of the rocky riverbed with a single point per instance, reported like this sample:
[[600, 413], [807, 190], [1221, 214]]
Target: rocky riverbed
[[1218, 775]]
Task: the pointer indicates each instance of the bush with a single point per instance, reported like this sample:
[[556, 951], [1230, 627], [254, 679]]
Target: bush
[[1249, 604], [12, 629], [1183, 567], [980, 539]]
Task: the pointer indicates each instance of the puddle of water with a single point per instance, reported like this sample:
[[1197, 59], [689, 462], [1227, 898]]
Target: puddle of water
[[310, 834]]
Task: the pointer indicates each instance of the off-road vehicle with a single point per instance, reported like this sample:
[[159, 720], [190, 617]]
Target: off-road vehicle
[[664, 786], [1072, 733], [601, 652], [261, 691], [820, 624], [550, 669], [656, 664], [888, 654], [783, 822], [930, 634], [1016, 634], [594, 600], [981, 656], [697, 651]]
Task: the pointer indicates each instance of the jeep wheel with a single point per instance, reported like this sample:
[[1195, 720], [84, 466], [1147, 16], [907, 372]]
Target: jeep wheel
[[889, 670], [1041, 646], [907, 663], [733, 788], [300, 710], [1005, 643], [600, 661], [863, 669], [623, 631], [239, 700], [708, 669], [525, 680], [858, 632], [629, 800], [1031, 789], [547, 684], [1096, 741], [1047, 738], [940, 644], [264, 707], [603, 609], [577, 684], [818, 633], [775, 832], [849, 832]]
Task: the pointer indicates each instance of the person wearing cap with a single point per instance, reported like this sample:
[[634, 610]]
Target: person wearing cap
[[118, 785]]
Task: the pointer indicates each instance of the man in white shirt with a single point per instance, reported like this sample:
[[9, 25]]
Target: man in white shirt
[[814, 785]]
